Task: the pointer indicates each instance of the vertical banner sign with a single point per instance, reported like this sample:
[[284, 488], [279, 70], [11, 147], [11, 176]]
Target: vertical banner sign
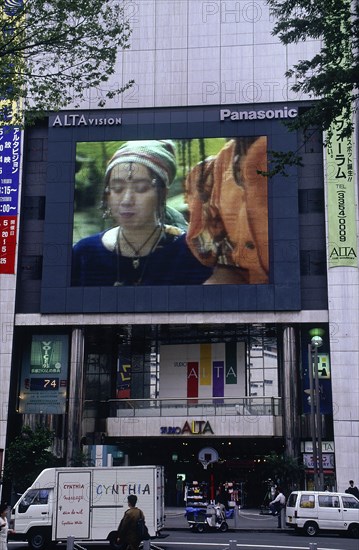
[[341, 200], [9, 188], [206, 364], [231, 363], [218, 379], [192, 379], [10, 147]]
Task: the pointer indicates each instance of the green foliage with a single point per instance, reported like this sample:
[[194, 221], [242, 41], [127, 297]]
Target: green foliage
[[286, 471], [279, 161], [53, 52], [81, 458], [331, 77], [27, 456]]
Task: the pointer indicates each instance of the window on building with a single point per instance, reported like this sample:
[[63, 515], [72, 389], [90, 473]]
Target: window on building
[[30, 268], [33, 208], [262, 370], [313, 140], [98, 377], [313, 262], [310, 201]]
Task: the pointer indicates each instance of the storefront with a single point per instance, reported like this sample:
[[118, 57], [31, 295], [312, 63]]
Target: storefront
[[160, 394]]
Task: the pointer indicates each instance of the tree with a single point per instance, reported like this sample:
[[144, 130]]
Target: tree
[[27, 456], [81, 458], [286, 471], [331, 76], [53, 51]]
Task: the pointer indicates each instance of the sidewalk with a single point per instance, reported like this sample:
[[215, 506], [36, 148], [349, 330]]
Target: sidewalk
[[247, 520]]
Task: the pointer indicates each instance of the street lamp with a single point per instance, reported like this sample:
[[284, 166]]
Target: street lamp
[[316, 422]]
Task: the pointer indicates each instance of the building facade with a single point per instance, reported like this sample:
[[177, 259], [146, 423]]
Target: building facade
[[163, 371]]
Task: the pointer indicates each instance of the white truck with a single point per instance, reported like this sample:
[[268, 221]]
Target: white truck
[[87, 504]]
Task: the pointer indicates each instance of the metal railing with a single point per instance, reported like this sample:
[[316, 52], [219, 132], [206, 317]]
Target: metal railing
[[72, 544], [215, 406]]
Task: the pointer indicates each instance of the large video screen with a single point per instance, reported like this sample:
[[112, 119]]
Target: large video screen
[[171, 212]]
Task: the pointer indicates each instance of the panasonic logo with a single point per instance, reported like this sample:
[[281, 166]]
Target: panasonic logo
[[284, 112]]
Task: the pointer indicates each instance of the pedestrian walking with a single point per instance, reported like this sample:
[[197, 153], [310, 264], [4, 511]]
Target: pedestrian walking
[[179, 491], [129, 535], [353, 489], [4, 527]]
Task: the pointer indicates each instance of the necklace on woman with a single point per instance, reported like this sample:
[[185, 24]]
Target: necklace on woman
[[137, 251]]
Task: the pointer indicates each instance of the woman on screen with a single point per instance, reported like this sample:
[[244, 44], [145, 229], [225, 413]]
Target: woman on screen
[[227, 197], [140, 249]]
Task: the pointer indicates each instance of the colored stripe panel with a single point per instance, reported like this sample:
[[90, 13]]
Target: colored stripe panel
[[205, 361], [192, 379], [218, 379], [231, 363]]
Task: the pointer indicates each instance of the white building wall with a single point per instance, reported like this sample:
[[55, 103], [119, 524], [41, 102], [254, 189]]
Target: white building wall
[[343, 310], [343, 287], [202, 52], [7, 311]]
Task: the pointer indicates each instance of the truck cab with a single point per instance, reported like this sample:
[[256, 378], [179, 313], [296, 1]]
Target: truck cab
[[32, 517]]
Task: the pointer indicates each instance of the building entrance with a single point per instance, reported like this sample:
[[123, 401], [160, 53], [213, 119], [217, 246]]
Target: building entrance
[[241, 466]]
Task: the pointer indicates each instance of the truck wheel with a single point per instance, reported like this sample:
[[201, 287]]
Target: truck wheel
[[311, 529], [113, 541], [354, 530], [39, 540]]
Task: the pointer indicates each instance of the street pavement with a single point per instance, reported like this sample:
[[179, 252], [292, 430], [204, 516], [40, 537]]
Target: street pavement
[[246, 520]]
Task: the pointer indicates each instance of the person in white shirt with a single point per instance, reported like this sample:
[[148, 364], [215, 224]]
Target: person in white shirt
[[278, 503], [4, 527]]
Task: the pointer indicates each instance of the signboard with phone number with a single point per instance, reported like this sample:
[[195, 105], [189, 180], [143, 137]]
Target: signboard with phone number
[[43, 384], [10, 146]]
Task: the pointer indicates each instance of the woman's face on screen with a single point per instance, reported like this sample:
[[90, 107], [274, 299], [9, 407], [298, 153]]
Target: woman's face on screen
[[133, 197]]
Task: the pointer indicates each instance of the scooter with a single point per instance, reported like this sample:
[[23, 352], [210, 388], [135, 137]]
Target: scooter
[[214, 517]]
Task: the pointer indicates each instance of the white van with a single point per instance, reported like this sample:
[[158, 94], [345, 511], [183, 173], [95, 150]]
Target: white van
[[314, 511]]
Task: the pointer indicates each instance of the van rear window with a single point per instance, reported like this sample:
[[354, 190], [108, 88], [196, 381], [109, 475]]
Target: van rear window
[[328, 501], [307, 501]]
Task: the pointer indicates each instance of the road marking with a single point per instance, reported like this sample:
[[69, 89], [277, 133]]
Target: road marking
[[217, 545]]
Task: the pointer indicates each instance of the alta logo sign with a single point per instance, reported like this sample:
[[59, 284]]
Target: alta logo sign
[[343, 252], [196, 427]]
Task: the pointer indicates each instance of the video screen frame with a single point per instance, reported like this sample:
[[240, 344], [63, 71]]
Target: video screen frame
[[282, 289]]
